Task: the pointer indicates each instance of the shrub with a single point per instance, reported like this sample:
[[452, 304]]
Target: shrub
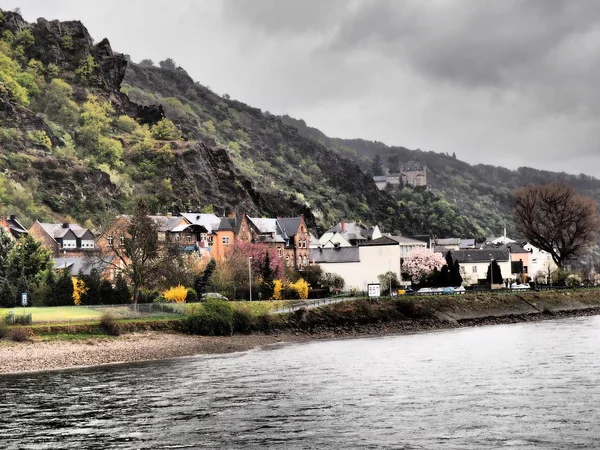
[[165, 130], [109, 325], [192, 295], [176, 294], [125, 124], [19, 334], [243, 320], [214, 318], [86, 68]]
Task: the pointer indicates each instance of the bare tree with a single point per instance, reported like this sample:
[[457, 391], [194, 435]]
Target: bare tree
[[555, 218], [138, 254]]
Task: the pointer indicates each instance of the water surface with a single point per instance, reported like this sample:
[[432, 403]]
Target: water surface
[[520, 386]]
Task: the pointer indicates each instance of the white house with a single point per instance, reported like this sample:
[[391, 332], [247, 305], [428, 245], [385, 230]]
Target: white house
[[360, 266], [474, 263]]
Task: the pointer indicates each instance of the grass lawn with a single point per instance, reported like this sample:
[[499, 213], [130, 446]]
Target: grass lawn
[[55, 314]]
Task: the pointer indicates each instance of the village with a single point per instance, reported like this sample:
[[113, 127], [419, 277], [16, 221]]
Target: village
[[356, 255]]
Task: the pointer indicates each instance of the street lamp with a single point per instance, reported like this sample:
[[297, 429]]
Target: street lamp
[[250, 275], [491, 274]]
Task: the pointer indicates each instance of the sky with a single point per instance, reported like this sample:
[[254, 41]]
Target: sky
[[510, 83]]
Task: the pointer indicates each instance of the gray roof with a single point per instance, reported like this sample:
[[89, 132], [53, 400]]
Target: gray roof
[[334, 255], [165, 223], [384, 240], [80, 264], [479, 255], [209, 221], [465, 243], [59, 230], [402, 240], [16, 228], [449, 241], [289, 226]]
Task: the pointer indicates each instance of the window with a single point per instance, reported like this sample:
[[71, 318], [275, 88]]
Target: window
[[109, 239], [305, 260], [121, 240], [462, 270], [210, 240], [189, 238], [474, 269], [287, 260], [202, 236], [299, 262], [280, 251], [524, 269], [225, 240]]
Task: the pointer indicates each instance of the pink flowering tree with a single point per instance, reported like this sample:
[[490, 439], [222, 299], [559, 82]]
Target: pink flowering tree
[[420, 262], [259, 253]]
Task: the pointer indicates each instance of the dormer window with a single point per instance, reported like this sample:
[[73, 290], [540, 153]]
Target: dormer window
[[109, 239]]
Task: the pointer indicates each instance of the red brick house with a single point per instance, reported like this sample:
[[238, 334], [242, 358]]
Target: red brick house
[[289, 235]]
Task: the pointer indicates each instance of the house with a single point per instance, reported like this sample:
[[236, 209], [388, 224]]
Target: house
[[474, 263], [412, 173], [63, 238], [360, 265], [13, 227], [346, 234], [206, 234], [215, 235], [289, 235]]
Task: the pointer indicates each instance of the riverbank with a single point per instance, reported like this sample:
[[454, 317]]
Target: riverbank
[[343, 320]]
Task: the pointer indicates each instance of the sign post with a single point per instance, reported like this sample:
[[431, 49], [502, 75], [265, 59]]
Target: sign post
[[374, 290], [24, 299]]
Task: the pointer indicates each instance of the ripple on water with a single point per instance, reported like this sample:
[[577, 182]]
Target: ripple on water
[[520, 386]]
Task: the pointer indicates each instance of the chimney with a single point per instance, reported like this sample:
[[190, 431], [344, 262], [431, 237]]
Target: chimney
[[169, 215], [65, 225], [12, 217], [343, 226]]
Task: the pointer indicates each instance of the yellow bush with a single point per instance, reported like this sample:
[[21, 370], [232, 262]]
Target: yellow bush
[[176, 294], [301, 287], [277, 288], [79, 288]]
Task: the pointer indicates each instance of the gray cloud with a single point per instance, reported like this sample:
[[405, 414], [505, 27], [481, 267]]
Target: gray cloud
[[500, 82]]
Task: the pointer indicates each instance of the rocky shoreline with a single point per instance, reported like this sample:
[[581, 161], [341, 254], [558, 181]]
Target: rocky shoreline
[[21, 357]]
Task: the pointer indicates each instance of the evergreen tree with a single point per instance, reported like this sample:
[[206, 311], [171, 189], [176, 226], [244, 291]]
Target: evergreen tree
[[377, 166], [63, 293], [267, 286], [27, 261], [49, 290], [457, 277], [121, 293], [6, 245], [201, 283], [106, 293], [92, 282], [497, 279]]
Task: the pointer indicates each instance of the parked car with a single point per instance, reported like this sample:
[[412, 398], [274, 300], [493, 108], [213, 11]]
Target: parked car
[[448, 290], [213, 296], [520, 286], [460, 290]]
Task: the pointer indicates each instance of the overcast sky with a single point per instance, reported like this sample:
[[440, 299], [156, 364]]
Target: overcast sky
[[510, 82]]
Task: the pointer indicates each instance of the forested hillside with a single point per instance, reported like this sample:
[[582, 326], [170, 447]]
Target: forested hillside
[[84, 132], [481, 192]]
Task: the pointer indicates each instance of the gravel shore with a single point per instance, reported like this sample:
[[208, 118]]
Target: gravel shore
[[18, 357]]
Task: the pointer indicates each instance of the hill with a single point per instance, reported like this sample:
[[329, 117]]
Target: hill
[[483, 193], [84, 132]]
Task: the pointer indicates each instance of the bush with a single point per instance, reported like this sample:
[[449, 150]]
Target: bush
[[19, 334], [109, 325], [165, 130], [192, 295], [176, 294], [214, 318], [243, 320]]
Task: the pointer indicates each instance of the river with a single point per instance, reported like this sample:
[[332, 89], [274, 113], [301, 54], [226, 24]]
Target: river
[[520, 386]]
